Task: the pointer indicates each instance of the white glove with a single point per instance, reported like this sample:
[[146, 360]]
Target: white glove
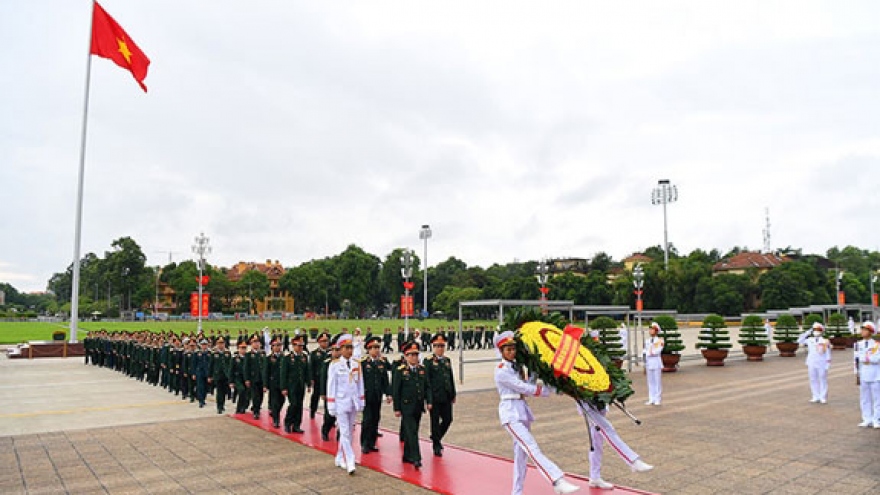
[[332, 410]]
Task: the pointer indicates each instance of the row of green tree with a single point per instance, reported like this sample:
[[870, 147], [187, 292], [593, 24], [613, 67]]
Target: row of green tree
[[360, 284]]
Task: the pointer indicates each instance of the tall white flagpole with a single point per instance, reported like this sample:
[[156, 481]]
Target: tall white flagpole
[[74, 287]]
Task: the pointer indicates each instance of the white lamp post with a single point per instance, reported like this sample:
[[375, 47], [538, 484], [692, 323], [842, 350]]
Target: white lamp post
[[425, 234], [200, 249], [406, 262], [638, 285], [664, 194]]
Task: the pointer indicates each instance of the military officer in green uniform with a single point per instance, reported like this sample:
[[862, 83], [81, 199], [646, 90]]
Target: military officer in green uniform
[[201, 369], [377, 385], [411, 393], [237, 377], [221, 372], [254, 365], [272, 382], [296, 379], [442, 385], [316, 362]]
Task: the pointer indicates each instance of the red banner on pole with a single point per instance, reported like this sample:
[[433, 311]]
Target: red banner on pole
[[206, 299], [639, 304], [194, 304], [406, 306], [874, 299], [841, 298]]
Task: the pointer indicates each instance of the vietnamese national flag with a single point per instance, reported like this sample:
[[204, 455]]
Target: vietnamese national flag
[[109, 40]]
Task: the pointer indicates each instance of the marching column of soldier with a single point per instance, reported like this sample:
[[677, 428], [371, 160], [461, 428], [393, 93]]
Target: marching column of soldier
[[197, 365]]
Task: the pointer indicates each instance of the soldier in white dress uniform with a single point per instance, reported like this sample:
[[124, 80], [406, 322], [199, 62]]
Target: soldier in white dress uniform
[[866, 354], [601, 430], [345, 399], [517, 418], [654, 364], [818, 360]]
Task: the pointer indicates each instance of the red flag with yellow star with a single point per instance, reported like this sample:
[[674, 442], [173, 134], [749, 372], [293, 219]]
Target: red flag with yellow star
[[109, 40]]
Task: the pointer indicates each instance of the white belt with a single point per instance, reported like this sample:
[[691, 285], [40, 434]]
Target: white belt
[[512, 397]]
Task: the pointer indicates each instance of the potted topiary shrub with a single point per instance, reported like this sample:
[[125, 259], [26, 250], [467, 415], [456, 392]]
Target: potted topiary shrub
[[59, 335], [786, 335], [672, 343], [837, 331], [609, 337], [753, 338], [714, 340]]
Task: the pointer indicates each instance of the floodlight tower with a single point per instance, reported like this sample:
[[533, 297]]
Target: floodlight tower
[[200, 249], [425, 234], [663, 194]]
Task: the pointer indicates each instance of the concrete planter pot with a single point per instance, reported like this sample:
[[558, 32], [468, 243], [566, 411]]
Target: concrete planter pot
[[714, 357], [787, 349], [670, 362], [754, 352]]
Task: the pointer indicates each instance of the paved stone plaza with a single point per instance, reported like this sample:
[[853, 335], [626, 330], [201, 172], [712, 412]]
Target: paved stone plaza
[[745, 428]]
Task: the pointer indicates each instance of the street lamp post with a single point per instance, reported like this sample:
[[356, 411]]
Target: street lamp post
[[873, 294], [664, 194], [200, 249], [406, 262], [638, 285], [425, 234], [542, 273]]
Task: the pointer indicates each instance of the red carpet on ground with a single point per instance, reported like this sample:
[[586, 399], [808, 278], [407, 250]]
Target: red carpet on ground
[[459, 472]]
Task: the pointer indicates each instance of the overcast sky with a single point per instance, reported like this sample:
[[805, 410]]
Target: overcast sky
[[517, 130]]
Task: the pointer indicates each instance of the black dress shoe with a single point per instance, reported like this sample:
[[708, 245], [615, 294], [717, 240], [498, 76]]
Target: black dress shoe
[[365, 450], [417, 464], [407, 461], [325, 437], [438, 452], [374, 449], [380, 435], [275, 424], [297, 430], [256, 415]]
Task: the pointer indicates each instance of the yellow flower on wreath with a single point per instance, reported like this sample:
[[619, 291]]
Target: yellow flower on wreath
[[545, 338]]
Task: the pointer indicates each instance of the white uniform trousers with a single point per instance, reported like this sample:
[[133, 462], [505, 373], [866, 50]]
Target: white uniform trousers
[[525, 448], [345, 421], [819, 381], [869, 399], [655, 385], [601, 430]]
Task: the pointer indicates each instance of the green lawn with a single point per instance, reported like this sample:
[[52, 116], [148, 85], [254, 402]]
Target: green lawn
[[18, 332]]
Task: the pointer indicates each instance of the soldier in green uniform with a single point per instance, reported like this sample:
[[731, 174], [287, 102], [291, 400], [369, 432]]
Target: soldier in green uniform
[[201, 369], [442, 385], [221, 371], [411, 392], [187, 389], [329, 421], [237, 377], [295, 381], [376, 385], [254, 365], [316, 362], [272, 382]]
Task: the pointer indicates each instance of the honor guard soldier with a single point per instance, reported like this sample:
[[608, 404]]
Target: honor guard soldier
[[329, 420], [517, 418], [254, 376], [316, 362], [442, 385], [654, 364], [295, 380], [818, 361], [410, 393], [237, 377], [376, 386], [272, 382], [201, 369], [867, 366], [601, 430], [345, 398], [221, 373]]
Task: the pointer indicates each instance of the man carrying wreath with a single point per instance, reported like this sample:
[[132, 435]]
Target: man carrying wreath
[[517, 418]]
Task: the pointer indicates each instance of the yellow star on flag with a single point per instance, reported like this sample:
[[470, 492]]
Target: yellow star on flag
[[123, 49]]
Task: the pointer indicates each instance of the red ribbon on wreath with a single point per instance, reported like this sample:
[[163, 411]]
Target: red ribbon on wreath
[[567, 351]]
